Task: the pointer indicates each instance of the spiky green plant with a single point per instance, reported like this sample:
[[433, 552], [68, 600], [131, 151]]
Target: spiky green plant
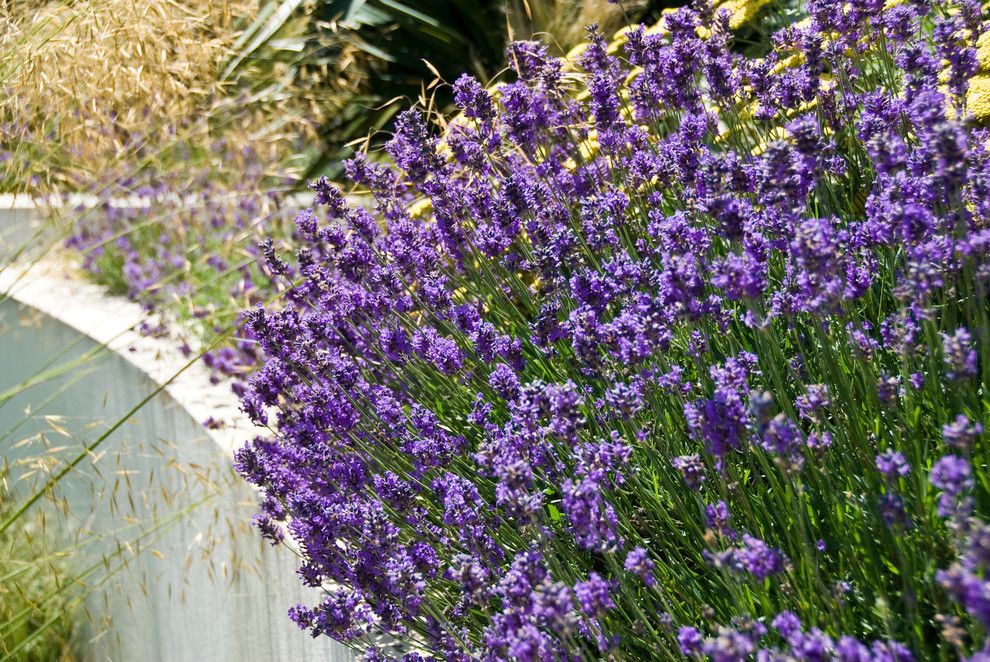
[[364, 59]]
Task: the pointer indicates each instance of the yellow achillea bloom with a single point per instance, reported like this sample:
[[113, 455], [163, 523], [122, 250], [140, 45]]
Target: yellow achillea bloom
[[978, 96], [743, 11], [983, 51], [788, 62], [420, 207], [776, 133]]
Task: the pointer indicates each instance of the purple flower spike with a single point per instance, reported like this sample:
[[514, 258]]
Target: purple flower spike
[[638, 562]]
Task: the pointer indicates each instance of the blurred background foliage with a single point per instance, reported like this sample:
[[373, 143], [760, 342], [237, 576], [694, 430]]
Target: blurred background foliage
[[363, 60], [98, 90]]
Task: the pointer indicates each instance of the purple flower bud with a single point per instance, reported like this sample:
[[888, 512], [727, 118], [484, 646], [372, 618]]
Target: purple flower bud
[[961, 433], [786, 623], [959, 355], [689, 640], [758, 558], [638, 562], [717, 518], [504, 381], [594, 595], [692, 470], [892, 464], [952, 474]]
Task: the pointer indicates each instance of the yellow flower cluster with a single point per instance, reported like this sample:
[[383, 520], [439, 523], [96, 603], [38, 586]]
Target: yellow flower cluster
[[743, 11], [978, 96]]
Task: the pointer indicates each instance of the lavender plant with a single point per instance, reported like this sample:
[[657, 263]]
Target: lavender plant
[[188, 249], [683, 354]]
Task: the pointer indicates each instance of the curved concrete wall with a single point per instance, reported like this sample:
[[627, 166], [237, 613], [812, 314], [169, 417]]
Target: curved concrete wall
[[158, 494]]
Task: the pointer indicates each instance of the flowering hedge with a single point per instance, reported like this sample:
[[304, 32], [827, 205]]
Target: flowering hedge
[[689, 364]]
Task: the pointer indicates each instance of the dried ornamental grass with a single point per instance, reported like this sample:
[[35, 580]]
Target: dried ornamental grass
[[107, 85]]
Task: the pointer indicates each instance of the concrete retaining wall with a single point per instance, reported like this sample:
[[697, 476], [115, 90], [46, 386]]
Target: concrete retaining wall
[[158, 493]]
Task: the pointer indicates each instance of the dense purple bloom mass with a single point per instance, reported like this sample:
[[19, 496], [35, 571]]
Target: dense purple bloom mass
[[670, 350]]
